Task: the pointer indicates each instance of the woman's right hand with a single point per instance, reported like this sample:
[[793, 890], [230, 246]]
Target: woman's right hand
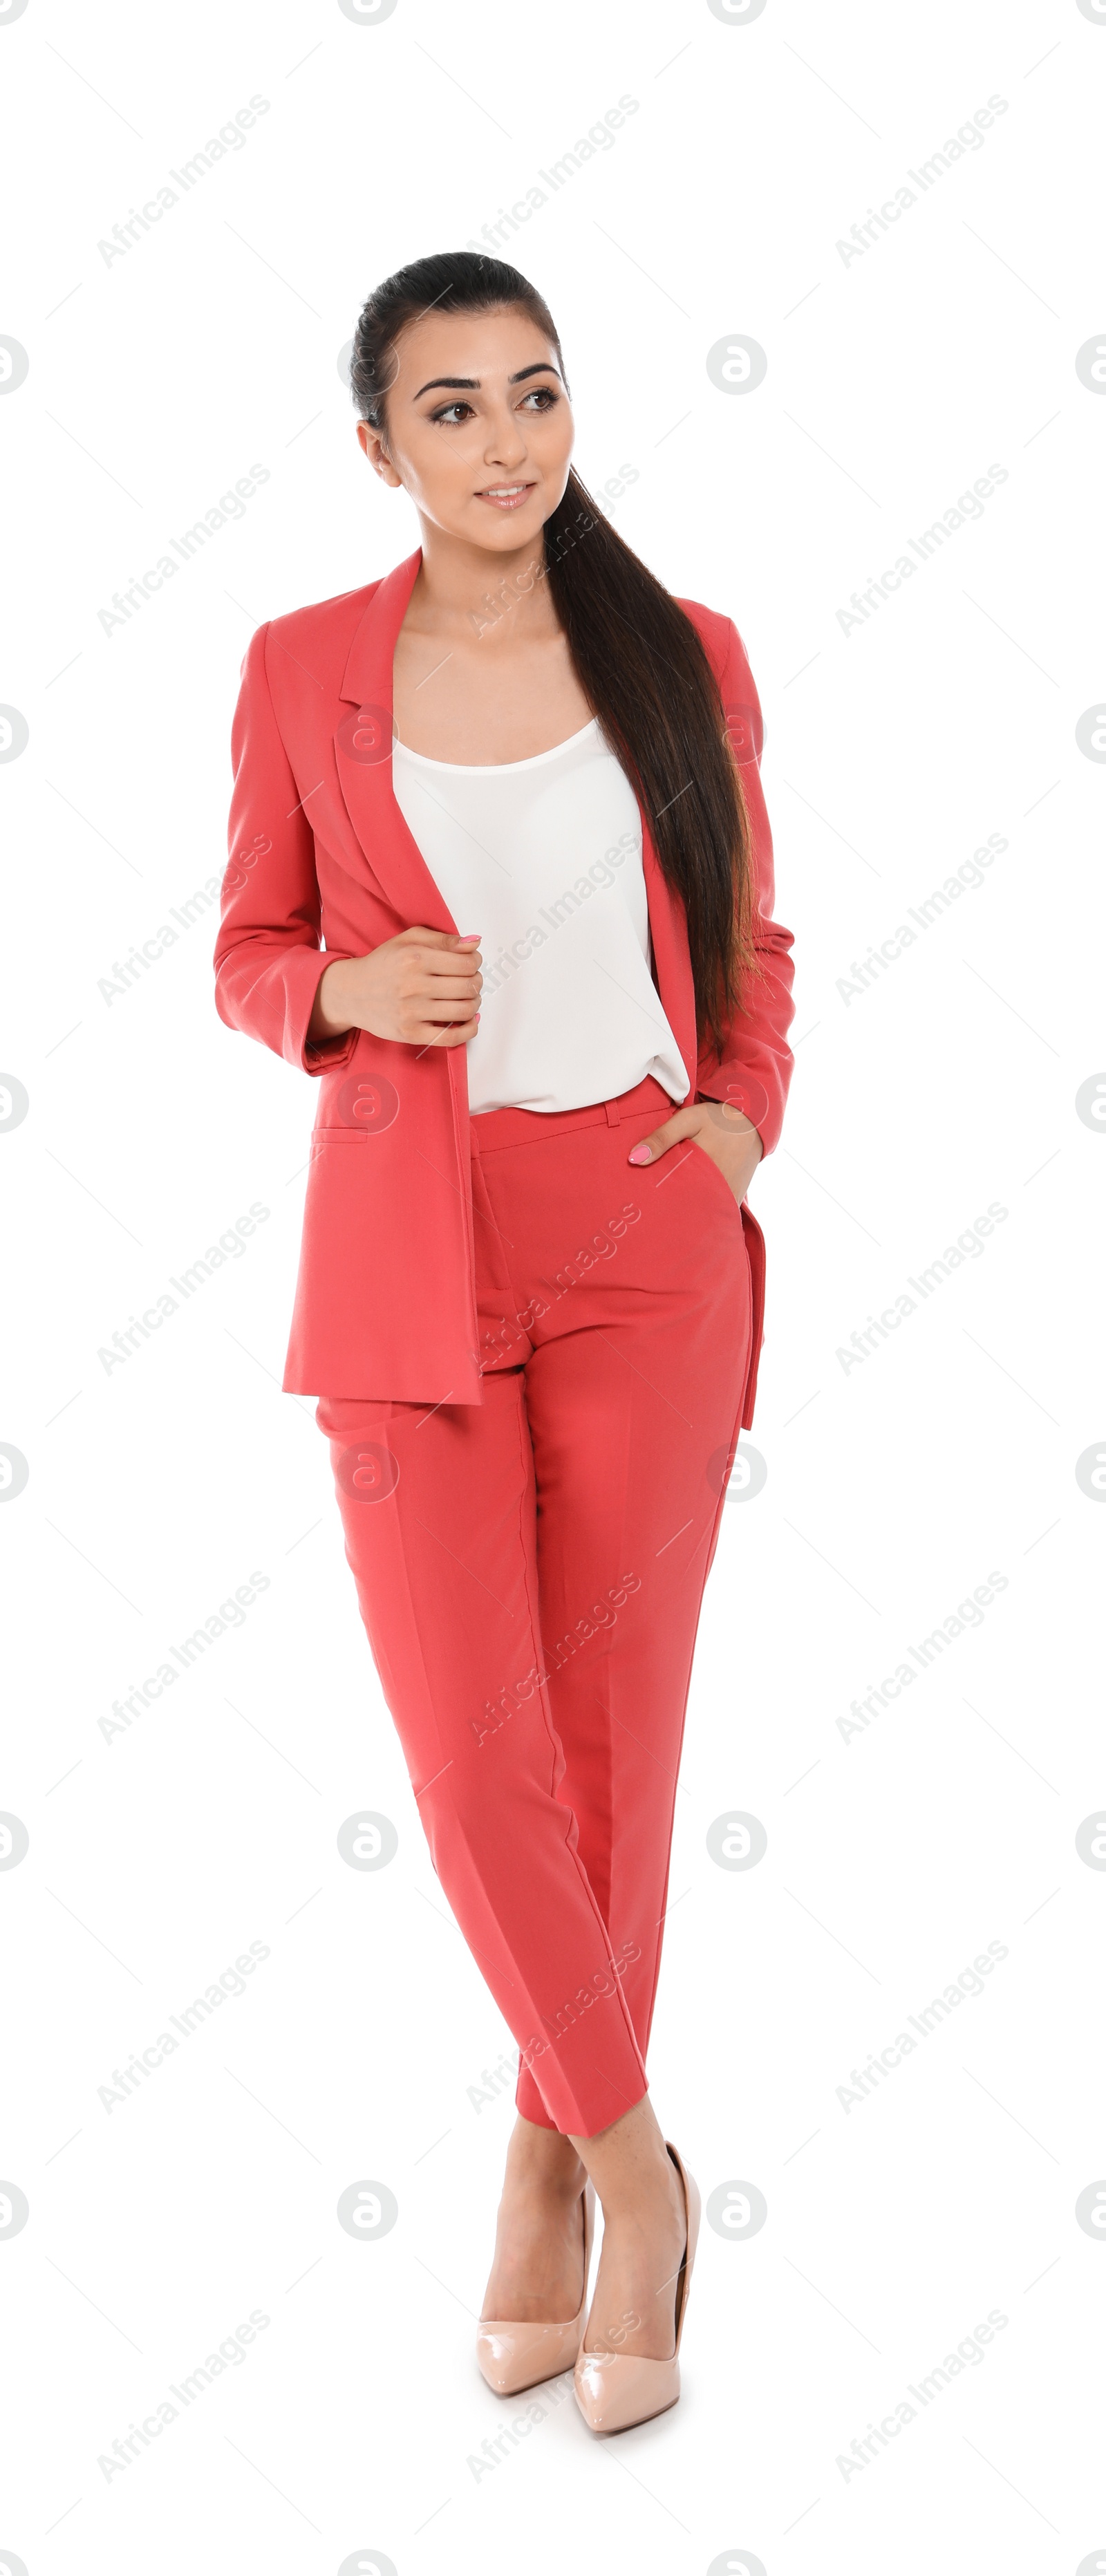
[[422, 989]]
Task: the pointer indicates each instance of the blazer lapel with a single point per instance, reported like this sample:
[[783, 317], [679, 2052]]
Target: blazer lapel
[[363, 752]]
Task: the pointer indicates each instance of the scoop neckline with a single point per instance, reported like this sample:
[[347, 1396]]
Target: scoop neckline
[[497, 768]]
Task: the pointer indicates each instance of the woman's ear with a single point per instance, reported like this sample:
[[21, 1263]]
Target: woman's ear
[[372, 445]]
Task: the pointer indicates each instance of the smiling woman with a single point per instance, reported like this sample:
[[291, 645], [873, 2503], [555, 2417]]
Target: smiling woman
[[577, 774]]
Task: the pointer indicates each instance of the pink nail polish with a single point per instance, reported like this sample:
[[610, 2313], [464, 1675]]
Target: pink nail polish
[[641, 1154]]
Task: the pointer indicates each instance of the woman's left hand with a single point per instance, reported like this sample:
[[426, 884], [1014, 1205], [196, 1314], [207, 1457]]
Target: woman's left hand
[[717, 1129]]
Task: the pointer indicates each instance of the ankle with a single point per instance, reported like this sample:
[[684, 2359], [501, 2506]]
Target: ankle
[[648, 2198], [545, 2162]]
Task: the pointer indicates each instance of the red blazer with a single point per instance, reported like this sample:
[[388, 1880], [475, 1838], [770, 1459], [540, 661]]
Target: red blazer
[[321, 859]]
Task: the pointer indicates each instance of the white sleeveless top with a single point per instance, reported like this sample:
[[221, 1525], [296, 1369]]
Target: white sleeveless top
[[543, 858]]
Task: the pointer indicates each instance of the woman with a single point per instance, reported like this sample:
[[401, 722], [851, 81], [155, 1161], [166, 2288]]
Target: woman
[[530, 1293]]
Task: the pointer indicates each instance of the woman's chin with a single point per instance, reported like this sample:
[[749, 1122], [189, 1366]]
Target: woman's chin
[[488, 525]]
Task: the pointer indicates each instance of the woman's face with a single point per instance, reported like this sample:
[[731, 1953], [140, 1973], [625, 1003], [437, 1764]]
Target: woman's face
[[479, 427]]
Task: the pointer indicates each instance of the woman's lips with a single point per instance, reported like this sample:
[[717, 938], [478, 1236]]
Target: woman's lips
[[507, 496]]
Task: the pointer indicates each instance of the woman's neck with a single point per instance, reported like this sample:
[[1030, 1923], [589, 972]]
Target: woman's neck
[[459, 586]]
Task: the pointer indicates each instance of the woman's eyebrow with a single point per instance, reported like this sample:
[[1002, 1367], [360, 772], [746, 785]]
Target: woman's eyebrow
[[471, 384]]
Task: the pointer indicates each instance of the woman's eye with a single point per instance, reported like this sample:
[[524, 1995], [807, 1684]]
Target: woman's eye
[[541, 397]]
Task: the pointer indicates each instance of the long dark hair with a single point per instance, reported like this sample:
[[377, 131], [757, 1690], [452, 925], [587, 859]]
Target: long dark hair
[[638, 658]]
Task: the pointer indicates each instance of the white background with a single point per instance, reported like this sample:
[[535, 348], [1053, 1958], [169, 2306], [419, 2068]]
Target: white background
[[894, 1487]]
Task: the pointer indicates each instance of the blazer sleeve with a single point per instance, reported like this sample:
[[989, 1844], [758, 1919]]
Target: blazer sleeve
[[754, 1070], [269, 960]]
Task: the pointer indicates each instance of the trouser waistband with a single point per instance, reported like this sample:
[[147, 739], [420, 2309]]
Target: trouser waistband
[[492, 1128]]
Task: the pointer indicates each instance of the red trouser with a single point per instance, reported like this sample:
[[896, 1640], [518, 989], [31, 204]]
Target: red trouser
[[530, 1572]]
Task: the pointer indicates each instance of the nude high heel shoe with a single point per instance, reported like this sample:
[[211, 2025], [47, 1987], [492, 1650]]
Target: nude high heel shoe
[[614, 2390], [514, 2356]]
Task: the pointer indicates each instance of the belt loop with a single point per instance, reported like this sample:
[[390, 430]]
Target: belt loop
[[474, 1142], [614, 1114]]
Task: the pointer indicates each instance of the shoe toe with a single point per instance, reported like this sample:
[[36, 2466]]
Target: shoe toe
[[512, 2357], [498, 2356], [617, 2390]]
